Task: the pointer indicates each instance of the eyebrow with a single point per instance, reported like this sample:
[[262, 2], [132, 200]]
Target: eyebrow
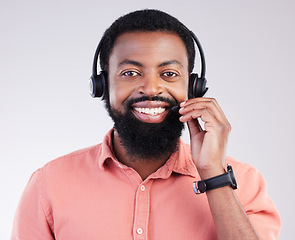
[[170, 62], [135, 63], [131, 62]]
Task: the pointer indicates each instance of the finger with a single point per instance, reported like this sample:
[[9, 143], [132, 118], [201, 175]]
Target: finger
[[205, 115], [207, 103], [203, 106], [203, 103], [194, 127], [203, 99]]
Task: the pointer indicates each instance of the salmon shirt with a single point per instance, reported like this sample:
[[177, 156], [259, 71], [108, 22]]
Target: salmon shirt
[[90, 195]]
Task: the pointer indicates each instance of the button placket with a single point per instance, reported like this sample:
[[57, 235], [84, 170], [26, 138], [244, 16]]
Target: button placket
[[142, 208]]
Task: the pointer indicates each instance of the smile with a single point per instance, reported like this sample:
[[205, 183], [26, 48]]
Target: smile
[[150, 111]]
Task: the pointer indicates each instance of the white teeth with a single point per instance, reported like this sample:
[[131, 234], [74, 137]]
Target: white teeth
[[150, 111]]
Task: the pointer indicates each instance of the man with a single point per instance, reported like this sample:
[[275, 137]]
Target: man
[[138, 184]]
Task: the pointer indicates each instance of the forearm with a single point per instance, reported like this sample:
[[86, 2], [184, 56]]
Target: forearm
[[230, 220], [208, 147]]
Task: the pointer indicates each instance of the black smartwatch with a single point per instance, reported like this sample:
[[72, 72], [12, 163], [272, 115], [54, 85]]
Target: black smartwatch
[[219, 181]]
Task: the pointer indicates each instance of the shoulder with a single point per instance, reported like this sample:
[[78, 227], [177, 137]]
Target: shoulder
[[64, 175], [252, 188], [71, 163], [84, 154], [245, 173], [247, 176]]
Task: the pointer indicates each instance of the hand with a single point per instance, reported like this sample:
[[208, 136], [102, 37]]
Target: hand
[[208, 146]]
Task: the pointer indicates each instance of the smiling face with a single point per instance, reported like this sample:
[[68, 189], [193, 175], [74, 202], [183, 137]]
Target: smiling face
[[147, 76], [148, 64]]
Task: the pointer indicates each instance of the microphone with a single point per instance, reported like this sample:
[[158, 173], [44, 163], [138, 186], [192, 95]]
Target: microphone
[[175, 108]]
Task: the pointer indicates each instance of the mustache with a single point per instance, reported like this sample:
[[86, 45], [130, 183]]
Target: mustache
[[172, 102]]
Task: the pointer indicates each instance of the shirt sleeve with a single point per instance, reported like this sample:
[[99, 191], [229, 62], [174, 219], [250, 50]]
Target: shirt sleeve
[[32, 219], [257, 204]]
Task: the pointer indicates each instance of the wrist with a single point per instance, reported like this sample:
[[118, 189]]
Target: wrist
[[209, 172], [218, 181]]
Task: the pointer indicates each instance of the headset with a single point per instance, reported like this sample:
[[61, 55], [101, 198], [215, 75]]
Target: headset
[[97, 82]]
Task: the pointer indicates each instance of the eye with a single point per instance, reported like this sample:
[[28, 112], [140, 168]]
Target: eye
[[130, 74], [170, 74]]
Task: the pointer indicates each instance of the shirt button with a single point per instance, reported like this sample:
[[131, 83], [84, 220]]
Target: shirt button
[[139, 231], [142, 187]]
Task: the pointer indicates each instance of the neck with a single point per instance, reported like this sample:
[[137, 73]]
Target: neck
[[144, 167]]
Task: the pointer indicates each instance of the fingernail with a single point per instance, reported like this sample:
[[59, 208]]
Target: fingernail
[[182, 104]]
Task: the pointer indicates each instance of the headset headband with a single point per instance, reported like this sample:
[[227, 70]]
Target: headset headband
[[97, 82]]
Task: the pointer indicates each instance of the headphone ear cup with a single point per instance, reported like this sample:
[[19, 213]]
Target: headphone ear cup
[[97, 84], [199, 85]]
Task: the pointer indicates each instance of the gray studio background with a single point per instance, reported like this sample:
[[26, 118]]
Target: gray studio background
[[46, 52]]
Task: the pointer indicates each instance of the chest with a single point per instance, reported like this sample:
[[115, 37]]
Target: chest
[[125, 209]]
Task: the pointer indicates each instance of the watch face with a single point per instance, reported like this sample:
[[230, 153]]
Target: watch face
[[202, 186], [234, 182], [232, 177]]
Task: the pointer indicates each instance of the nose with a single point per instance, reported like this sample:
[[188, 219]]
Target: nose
[[151, 85]]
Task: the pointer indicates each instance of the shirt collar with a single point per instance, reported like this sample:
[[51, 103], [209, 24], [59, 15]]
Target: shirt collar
[[107, 150], [179, 162]]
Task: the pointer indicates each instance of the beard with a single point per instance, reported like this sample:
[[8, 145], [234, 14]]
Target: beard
[[143, 140]]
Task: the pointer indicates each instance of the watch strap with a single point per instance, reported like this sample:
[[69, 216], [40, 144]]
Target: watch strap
[[219, 181]]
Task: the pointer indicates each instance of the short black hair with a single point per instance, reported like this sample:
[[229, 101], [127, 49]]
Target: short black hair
[[147, 20]]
